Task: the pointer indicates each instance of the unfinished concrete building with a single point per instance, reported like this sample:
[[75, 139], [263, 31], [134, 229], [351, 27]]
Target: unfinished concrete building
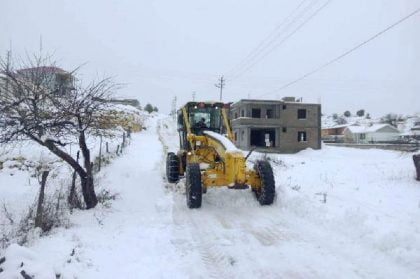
[[285, 126]]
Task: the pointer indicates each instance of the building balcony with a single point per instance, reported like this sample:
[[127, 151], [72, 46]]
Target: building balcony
[[248, 121]]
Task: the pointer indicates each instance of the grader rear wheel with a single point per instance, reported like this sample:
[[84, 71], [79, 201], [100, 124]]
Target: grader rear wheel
[[193, 187], [172, 168], [265, 194]]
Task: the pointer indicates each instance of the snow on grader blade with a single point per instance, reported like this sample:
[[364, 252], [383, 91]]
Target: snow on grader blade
[[208, 157]]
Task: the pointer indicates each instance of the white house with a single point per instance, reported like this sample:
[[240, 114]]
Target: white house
[[369, 134]]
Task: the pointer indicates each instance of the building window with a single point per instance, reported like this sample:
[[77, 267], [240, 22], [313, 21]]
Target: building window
[[284, 130], [236, 115], [236, 136], [362, 136], [242, 135], [242, 113], [301, 136], [301, 114], [269, 113], [284, 107], [256, 113]]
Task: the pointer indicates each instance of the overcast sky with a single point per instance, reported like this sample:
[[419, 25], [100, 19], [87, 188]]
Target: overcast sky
[[165, 48]]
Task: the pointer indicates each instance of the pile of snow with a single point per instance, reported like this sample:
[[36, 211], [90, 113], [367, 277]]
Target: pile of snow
[[229, 146], [19, 260]]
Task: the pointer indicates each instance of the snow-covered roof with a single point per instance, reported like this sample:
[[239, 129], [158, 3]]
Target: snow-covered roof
[[337, 126], [229, 146], [407, 134], [44, 69], [369, 129]]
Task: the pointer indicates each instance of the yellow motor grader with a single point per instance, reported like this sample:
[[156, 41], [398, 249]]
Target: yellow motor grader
[[208, 157]]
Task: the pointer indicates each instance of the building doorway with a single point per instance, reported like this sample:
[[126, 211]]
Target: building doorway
[[263, 137]]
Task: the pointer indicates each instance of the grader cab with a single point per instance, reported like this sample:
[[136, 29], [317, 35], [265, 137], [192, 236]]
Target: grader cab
[[208, 157]]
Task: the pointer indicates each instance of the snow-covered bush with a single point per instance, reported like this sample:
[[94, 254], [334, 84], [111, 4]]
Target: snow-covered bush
[[22, 229], [21, 262], [105, 198]]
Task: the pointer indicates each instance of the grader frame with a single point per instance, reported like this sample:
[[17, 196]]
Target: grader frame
[[208, 158]]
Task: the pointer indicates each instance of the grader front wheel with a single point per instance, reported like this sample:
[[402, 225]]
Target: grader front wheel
[[172, 168], [265, 194], [193, 187]]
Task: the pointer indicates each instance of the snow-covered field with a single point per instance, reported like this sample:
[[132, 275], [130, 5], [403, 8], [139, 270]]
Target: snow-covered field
[[339, 213]]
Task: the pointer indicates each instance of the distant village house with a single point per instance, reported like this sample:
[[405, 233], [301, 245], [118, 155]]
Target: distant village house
[[376, 133], [53, 78], [334, 133]]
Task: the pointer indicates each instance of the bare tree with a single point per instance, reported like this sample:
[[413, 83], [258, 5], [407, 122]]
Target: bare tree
[[390, 118], [44, 104], [341, 120]]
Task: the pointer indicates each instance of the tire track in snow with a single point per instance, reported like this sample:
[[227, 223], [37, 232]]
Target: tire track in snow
[[203, 238], [190, 222], [200, 228]]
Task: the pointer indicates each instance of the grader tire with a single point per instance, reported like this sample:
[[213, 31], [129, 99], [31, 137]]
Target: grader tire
[[172, 168], [266, 193], [193, 186]]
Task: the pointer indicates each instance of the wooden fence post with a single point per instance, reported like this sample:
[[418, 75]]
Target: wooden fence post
[[416, 159], [100, 155], [40, 207]]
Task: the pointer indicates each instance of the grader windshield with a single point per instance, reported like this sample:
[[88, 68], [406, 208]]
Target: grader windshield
[[207, 118]]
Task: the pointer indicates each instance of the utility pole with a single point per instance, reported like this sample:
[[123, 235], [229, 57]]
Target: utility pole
[[8, 57], [220, 85], [193, 96], [173, 111], [40, 44]]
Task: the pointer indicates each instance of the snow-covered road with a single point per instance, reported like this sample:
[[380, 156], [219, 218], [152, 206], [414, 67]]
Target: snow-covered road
[[149, 232], [234, 237]]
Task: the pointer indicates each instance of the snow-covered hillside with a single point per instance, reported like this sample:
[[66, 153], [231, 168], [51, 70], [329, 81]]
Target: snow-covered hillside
[[339, 213], [404, 122], [329, 121]]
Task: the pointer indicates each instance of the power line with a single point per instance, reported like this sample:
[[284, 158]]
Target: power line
[[277, 33], [316, 12], [344, 54], [275, 37], [269, 38]]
